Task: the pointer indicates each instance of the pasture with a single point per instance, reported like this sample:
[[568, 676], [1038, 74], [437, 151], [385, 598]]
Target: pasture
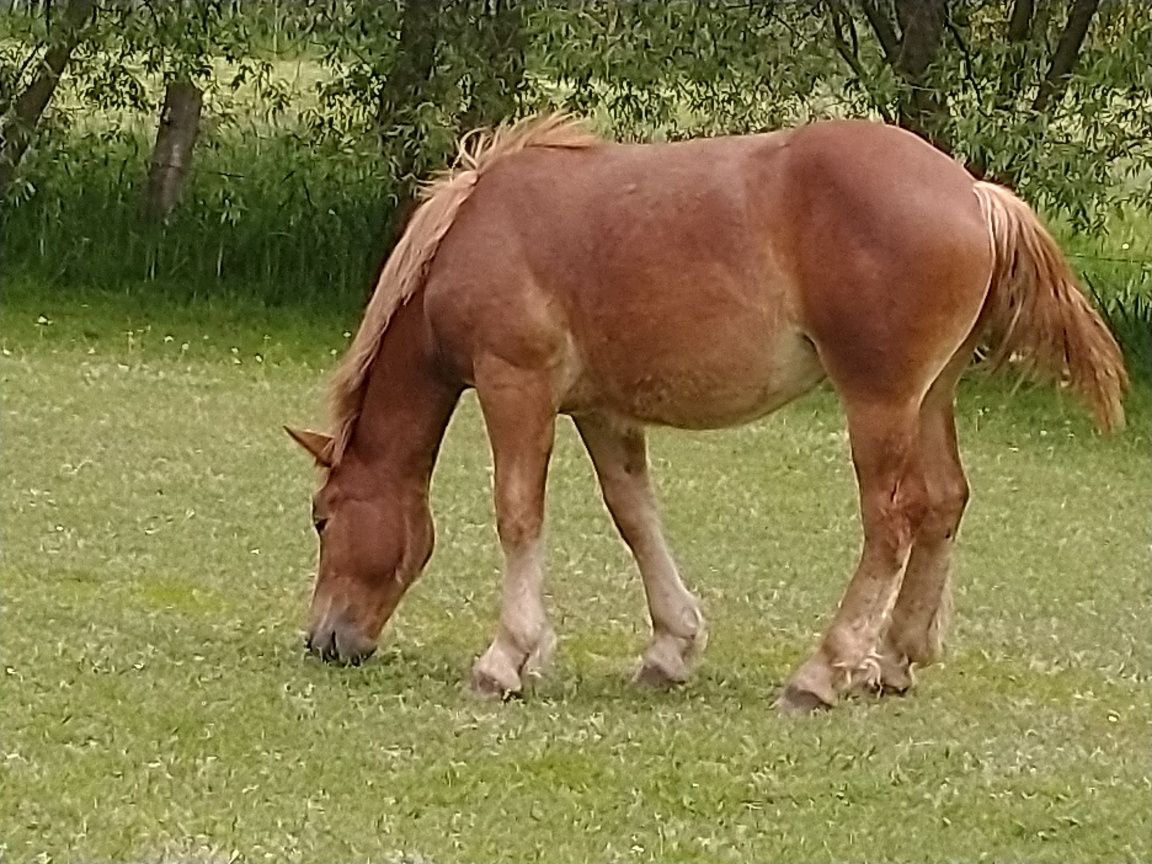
[[156, 704]]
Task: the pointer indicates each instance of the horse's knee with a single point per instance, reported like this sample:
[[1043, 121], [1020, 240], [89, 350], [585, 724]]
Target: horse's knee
[[517, 528], [896, 517], [945, 508]]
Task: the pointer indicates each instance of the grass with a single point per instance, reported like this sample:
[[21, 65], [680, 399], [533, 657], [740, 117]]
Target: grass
[[157, 704]]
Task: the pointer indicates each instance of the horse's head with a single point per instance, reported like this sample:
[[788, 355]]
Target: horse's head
[[375, 538]]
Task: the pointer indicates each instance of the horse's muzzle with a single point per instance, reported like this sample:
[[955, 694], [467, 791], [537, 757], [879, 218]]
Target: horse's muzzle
[[340, 645]]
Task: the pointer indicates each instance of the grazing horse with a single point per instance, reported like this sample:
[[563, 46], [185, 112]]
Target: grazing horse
[[698, 284]]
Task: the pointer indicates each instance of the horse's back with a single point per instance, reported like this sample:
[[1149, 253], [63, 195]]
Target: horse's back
[[687, 283]]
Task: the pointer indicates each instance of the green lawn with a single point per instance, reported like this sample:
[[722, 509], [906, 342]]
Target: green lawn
[[155, 703]]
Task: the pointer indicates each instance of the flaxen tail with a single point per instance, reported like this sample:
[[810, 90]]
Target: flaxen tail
[[1036, 313]]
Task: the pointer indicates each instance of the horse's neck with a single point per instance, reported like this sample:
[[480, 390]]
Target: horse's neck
[[407, 404]]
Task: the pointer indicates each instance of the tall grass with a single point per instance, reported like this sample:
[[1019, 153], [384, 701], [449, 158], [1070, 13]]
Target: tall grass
[[270, 217], [1116, 269]]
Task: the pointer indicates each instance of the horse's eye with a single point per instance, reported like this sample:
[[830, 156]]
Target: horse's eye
[[319, 525]]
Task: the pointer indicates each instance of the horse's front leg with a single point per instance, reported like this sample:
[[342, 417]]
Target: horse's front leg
[[519, 411]]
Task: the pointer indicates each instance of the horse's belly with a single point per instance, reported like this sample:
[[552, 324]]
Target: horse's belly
[[711, 387]]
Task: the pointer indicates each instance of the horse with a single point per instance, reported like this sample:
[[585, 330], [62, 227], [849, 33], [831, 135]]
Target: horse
[[697, 284]]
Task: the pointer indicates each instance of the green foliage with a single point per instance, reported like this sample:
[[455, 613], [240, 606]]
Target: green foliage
[[473, 79], [1080, 157], [1116, 269], [17, 32], [1129, 316], [192, 42], [680, 69], [258, 221]]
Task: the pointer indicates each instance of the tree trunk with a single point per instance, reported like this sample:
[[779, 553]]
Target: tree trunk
[[1020, 22], [19, 125], [1067, 51], [172, 154], [921, 108]]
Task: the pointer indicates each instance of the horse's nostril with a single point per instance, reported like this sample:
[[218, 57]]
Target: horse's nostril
[[358, 657], [344, 645], [321, 644]]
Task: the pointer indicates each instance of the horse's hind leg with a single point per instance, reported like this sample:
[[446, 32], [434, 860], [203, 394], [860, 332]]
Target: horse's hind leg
[[922, 613], [519, 412], [620, 457], [885, 453]]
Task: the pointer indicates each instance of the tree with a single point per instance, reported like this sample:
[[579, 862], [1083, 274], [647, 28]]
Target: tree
[[911, 52], [911, 32], [680, 68], [978, 80], [497, 74], [418, 73], [171, 158], [383, 99], [406, 87], [406, 83], [1067, 51], [20, 118], [179, 42], [179, 45]]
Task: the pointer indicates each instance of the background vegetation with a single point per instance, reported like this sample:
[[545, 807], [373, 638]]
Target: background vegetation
[[291, 133]]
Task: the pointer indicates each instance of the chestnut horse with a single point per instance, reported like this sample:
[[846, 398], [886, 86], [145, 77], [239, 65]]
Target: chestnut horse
[[699, 285]]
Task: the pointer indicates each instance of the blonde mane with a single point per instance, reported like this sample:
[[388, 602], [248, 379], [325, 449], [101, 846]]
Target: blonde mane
[[408, 264]]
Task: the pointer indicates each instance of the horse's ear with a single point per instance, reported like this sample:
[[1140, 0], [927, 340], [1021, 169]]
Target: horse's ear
[[318, 445]]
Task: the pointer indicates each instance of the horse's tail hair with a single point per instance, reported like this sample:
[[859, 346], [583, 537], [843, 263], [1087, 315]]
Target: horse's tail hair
[[1038, 317]]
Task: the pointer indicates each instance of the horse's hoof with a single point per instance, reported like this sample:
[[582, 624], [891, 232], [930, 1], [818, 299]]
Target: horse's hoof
[[794, 702], [485, 686], [896, 678], [656, 677], [894, 687]]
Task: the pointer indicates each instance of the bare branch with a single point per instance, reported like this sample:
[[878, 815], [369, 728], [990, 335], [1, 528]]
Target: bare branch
[[958, 38], [851, 53], [883, 29], [1080, 17], [1020, 22]]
